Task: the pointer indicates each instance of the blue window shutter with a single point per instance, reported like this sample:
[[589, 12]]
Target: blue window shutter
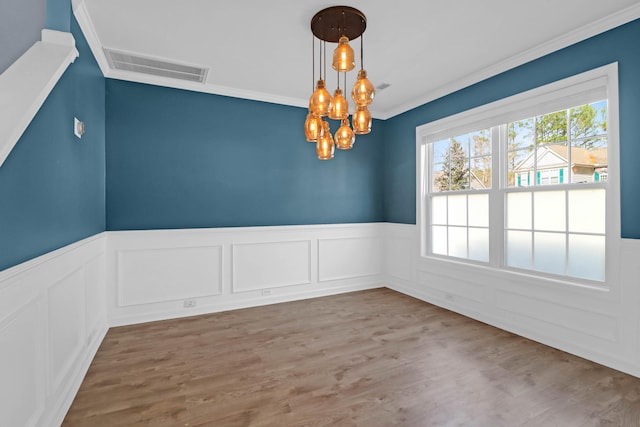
[[597, 176], [561, 176], [538, 177]]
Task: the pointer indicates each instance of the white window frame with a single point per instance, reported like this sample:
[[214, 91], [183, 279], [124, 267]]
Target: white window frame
[[556, 96]]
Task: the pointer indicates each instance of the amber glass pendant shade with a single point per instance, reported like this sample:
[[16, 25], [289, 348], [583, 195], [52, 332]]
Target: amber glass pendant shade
[[341, 25], [325, 146], [345, 136], [339, 106], [363, 91], [361, 120], [320, 102], [312, 127], [343, 56]]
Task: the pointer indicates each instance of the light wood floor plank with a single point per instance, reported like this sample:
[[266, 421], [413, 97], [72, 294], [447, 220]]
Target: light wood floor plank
[[371, 358]]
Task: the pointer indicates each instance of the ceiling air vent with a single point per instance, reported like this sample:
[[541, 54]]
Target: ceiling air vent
[[155, 67]]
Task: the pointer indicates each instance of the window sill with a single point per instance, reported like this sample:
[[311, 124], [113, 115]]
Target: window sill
[[470, 271]]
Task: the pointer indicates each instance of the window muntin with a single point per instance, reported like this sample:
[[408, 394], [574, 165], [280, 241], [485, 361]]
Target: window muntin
[[462, 162], [549, 226], [460, 226], [460, 222], [559, 232], [566, 146], [566, 228]]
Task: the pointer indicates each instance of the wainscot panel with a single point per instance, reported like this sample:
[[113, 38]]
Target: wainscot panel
[[347, 257], [266, 265], [398, 257], [602, 325], [22, 389], [52, 321], [162, 274], [66, 320], [166, 274]]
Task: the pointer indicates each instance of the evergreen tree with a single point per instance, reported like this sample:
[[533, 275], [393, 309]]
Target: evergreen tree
[[455, 169]]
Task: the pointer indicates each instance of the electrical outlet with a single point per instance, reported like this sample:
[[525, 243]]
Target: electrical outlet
[[266, 292], [189, 303]]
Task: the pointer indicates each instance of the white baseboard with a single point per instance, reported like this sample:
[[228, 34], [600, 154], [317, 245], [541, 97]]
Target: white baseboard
[[236, 305]]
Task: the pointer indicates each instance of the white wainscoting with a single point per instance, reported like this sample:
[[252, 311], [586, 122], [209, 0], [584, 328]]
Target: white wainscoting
[[166, 274], [348, 257], [163, 274], [52, 321], [265, 265], [599, 325], [54, 310]]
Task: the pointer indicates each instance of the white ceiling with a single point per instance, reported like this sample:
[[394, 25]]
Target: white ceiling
[[259, 49]]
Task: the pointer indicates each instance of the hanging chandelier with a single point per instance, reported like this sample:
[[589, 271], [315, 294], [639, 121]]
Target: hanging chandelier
[[338, 24]]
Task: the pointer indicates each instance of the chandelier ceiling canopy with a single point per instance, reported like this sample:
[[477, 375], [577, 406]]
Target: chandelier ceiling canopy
[[334, 22]]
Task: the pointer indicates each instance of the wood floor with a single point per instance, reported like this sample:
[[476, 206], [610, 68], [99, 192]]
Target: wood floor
[[372, 358]]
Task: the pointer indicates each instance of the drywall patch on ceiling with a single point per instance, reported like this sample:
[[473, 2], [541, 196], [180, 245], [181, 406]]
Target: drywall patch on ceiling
[[127, 61]]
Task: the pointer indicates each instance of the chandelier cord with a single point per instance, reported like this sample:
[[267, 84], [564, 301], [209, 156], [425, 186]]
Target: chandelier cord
[[321, 46], [345, 82], [361, 50], [320, 55], [325, 58], [313, 63]]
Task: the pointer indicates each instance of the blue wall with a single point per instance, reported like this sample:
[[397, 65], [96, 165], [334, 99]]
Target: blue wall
[[178, 159], [59, 15], [621, 44], [52, 184]]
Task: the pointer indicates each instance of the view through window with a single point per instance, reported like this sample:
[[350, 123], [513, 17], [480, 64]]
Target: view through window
[[524, 193]]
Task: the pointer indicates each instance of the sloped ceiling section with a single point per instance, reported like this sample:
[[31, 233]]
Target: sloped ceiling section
[[414, 52]]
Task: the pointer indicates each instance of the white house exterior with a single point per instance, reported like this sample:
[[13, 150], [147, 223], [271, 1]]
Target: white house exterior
[[550, 165]]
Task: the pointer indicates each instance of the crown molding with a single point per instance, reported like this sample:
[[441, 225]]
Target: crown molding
[[597, 27], [88, 29], [604, 24], [205, 88]]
